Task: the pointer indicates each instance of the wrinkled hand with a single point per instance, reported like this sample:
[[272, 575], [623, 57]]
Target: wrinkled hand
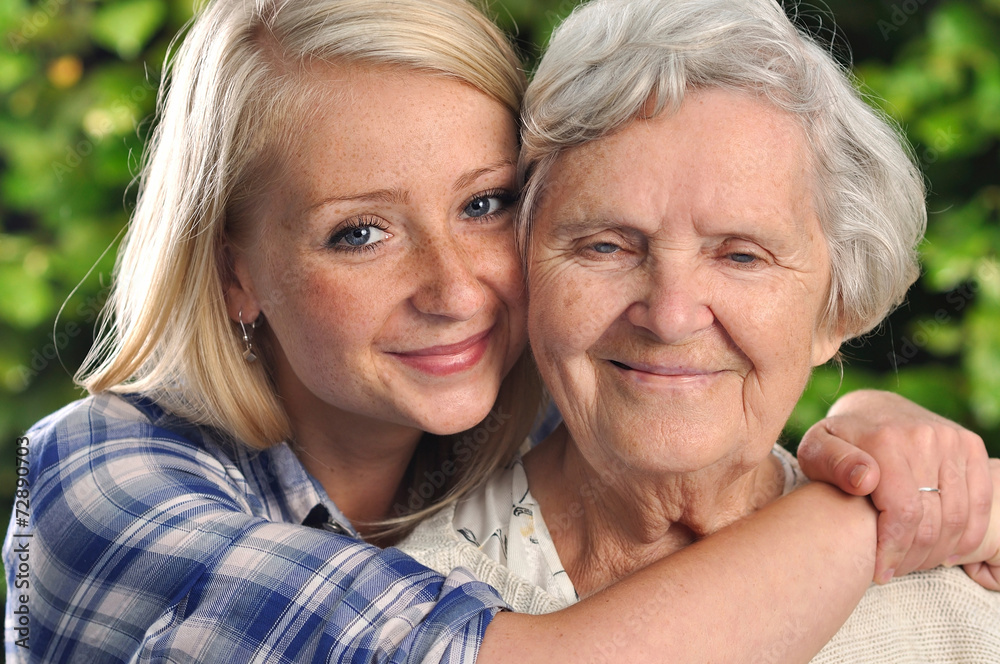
[[986, 570], [881, 444]]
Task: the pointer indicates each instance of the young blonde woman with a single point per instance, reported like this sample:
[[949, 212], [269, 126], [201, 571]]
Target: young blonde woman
[[318, 316]]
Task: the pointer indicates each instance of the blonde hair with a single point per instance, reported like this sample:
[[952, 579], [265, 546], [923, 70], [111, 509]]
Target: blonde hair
[[611, 57], [240, 73]]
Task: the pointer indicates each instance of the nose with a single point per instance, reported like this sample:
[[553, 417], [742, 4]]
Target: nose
[[672, 302], [447, 282]]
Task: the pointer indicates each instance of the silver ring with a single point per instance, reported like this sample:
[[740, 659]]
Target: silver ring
[[929, 489]]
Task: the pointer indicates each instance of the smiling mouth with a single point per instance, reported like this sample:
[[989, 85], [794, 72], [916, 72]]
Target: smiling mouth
[[445, 360], [448, 349], [666, 371]]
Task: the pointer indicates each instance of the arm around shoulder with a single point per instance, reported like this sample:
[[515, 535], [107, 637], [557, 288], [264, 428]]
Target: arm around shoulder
[[756, 584], [146, 546]]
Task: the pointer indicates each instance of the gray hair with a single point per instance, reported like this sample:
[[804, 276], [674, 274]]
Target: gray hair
[[611, 58]]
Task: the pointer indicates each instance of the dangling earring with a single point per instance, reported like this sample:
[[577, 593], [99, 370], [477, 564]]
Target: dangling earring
[[248, 353]]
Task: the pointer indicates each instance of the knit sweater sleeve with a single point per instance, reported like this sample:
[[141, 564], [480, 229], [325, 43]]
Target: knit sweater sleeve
[[436, 544], [938, 616]]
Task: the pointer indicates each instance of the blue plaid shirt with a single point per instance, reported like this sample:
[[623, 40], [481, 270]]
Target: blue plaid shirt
[[153, 540]]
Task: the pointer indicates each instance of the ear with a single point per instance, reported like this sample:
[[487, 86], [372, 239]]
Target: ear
[[238, 285], [826, 343]]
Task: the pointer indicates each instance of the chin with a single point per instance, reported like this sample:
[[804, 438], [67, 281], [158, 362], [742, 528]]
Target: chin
[[668, 451], [450, 414]]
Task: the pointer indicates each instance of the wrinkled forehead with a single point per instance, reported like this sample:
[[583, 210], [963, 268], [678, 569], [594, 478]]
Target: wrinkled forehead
[[724, 159]]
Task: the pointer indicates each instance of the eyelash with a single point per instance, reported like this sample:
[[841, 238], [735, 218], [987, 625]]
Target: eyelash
[[506, 196], [753, 263], [591, 250], [354, 224]]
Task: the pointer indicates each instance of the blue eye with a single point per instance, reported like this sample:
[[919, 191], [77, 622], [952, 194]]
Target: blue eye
[[605, 248], [480, 207], [355, 237], [487, 204], [742, 258]]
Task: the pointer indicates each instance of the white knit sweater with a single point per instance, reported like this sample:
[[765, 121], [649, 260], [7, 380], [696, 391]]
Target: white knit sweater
[[938, 616]]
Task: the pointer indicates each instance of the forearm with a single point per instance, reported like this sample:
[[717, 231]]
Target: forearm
[[751, 590], [866, 402]]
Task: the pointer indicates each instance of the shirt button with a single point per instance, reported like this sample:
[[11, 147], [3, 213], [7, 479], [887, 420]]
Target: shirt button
[[335, 528]]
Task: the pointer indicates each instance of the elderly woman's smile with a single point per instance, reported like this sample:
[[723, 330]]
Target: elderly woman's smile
[[677, 282], [709, 209]]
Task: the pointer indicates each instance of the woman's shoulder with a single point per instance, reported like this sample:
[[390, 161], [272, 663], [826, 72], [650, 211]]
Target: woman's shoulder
[[132, 447], [92, 414], [131, 503], [932, 616], [109, 452], [109, 428], [497, 532], [109, 417], [479, 518]]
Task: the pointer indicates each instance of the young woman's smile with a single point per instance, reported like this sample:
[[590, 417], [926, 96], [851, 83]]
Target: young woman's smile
[[447, 359], [389, 280]]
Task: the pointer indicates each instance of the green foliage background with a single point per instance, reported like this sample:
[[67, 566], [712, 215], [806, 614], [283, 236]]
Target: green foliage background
[[77, 89]]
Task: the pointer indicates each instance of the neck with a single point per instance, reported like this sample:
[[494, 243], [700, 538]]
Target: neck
[[609, 522], [361, 474], [359, 461]]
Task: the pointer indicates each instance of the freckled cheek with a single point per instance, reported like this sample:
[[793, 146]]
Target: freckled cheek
[[332, 314], [498, 266], [773, 327], [569, 312], [508, 281]]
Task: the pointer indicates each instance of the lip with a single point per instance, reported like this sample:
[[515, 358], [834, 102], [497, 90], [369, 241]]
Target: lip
[[447, 359], [661, 370], [660, 373]]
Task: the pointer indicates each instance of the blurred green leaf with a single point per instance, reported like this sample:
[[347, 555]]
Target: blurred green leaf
[[15, 68], [25, 300], [11, 11], [126, 27], [956, 28], [983, 364]]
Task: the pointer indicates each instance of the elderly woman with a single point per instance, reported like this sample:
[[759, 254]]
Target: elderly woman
[[711, 211]]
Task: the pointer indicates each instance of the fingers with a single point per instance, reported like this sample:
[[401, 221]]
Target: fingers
[[961, 508], [932, 542], [901, 512], [981, 493], [985, 575], [906, 447], [915, 533], [985, 568], [825, 457], [932, 528]]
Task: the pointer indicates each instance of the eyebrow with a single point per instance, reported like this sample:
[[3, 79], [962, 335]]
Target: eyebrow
[[580, 227], [468, 178], [588, 225], [397, 196]]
